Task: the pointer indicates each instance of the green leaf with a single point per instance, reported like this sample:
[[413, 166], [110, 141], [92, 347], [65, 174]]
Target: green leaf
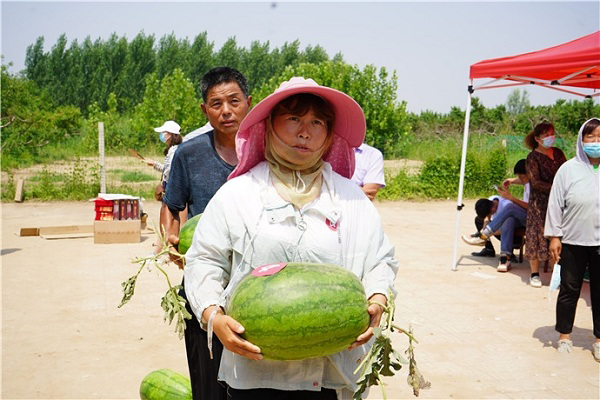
[[383, 360]]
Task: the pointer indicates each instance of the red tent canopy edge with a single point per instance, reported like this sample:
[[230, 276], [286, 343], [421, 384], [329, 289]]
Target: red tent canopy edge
[[572, 64]]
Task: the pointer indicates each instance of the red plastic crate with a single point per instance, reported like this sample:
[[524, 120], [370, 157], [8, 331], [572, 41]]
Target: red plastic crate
[[104, 209]]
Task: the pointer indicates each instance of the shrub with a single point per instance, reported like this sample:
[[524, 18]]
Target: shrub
[[439, 177]]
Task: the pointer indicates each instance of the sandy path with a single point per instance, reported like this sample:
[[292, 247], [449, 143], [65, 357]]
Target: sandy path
[[482, 334]]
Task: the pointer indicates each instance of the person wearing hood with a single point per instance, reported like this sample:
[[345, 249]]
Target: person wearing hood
[[573, 227], [542, 163], [290, 192]]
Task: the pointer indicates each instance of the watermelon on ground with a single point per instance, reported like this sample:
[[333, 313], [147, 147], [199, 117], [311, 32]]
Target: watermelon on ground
[[165, 384], [304, 310]]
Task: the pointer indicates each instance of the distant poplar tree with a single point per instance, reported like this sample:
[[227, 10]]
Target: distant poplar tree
[[517, 102]]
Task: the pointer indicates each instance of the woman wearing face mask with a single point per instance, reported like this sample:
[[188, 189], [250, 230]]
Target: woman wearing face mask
[[542, 163], [573, 227], [289, 199], [169, 134]]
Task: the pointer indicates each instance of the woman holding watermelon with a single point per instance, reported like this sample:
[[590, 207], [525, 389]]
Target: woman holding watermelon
[[290, 199]]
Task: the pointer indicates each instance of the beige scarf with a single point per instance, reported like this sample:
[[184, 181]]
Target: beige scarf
[[297, 183]]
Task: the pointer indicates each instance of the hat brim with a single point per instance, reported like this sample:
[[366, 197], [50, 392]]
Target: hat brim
[[349, 117]]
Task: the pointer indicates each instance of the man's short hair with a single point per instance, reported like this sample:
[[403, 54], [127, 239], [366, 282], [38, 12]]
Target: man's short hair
[[218, 75], [520, 167], [483, 207]]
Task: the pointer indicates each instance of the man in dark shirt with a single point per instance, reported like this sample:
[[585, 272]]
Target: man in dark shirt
[[199, 167]]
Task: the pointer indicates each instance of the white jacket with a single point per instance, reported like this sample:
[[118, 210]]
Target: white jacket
[[247, 224], [574, 204]]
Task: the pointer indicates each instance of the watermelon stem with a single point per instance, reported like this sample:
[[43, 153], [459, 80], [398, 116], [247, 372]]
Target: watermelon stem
[[172, 303], [383, 360]]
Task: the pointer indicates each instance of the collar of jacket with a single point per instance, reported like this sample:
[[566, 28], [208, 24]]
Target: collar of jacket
[[278, 209]]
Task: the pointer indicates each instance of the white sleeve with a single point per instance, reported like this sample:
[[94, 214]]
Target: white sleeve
[[208, 266], [375, 169], [526, 191], [556, 206], [168, 161], [380, 275], [380, 267]]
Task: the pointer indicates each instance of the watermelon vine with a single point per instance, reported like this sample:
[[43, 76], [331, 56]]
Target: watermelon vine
[[383, 360], [172, 303]]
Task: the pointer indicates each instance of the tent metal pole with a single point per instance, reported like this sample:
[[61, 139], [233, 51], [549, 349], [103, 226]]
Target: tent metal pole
[[459, 204]]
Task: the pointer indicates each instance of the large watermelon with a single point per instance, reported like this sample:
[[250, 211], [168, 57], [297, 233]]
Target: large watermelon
[[165, 384], [186, 234], [304, 310]]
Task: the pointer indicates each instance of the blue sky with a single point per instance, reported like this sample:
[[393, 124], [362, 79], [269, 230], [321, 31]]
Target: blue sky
[[429, 44]]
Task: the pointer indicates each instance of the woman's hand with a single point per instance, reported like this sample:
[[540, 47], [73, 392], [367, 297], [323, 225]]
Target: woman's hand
[[149, 162], [229, 330], [375, 311], [173, 240], [555, 248]]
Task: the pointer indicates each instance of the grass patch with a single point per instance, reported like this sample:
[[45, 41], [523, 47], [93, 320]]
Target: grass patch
[[136, 176], [439, 177], [46, 176]]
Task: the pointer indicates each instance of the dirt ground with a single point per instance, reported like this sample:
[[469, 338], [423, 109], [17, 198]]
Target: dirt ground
[[481, 334]]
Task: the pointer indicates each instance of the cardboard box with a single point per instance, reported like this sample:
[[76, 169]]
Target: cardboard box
[[127, 231]]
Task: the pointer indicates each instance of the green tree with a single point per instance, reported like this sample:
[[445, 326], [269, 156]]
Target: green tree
[[30, 121], [35, 62], [140, 62], [117, 50], [289, 54], [315, 55], [257, 65], [229, 54], [517, 102], [57, 71], [171, 54], [201, 60], [172, 98], [75, 88]]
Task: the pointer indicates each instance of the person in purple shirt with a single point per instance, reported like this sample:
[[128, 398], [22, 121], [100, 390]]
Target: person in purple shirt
[[368, 172]]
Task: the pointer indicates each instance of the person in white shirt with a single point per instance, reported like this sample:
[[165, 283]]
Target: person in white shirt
[[197, 132], [290, 199], [368, 173], [171, 136], [573, 227], [506, 213]]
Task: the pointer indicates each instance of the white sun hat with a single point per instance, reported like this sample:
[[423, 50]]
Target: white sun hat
[[169, 126]]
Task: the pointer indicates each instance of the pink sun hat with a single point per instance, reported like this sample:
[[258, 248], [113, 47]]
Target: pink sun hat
[[349, 128]]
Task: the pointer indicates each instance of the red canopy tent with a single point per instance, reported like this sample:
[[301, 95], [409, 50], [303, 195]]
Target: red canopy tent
[[566, 67]]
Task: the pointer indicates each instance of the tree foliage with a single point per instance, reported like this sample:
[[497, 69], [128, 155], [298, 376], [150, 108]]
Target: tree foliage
[[82, 74], [29, 119], [516, 118], [517, 102], [172, 98]]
